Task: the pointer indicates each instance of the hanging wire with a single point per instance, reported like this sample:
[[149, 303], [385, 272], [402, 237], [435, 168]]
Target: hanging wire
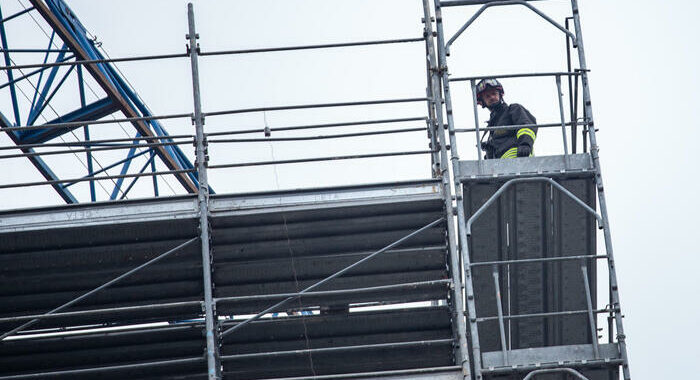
[[291, 256]]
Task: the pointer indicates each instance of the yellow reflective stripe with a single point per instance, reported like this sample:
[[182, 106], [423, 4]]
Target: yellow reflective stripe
[[510, 153], [526, 131]]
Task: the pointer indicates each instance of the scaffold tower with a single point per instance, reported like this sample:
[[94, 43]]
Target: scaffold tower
[[483, 269]]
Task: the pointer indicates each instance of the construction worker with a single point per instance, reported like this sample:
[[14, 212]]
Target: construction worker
[[505, 143]]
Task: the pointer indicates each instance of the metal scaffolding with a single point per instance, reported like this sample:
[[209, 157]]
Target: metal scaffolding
[[428, 220]]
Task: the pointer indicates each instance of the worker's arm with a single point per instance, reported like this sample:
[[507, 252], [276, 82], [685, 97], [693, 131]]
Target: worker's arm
[[526, 136]]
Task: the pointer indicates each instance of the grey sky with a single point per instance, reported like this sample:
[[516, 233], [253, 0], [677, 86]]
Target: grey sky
[[643, 80]]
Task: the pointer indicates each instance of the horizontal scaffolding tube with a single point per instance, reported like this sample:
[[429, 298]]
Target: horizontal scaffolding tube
[[315, 126], [101, 311], [307, 47], [319, 105], [519, 75], [518, 126], [96, 142], [332, 158], [97, 149], [540, 315], [34, 51], [329, 292], [94, 122], [110, 166], [364, 375], [93, 61], [544, 259], [322, 137], [28, 75], [84, 179], [388, 346], [85, 371]]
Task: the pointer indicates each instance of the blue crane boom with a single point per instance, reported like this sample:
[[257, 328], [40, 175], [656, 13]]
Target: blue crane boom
[[119, 97]]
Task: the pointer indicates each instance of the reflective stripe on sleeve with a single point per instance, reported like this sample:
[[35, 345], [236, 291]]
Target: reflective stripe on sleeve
[[510, 153], [526, 131]]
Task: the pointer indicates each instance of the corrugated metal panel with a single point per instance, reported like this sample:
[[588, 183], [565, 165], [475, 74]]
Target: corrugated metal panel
[[43, 269], [103, 350], [286, 251], [262, 245], [422, 337]]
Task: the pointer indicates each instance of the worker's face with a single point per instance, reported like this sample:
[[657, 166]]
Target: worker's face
[[490, 97]]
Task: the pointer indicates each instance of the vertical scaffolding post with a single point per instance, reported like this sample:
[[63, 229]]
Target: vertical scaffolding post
[[212, 351], [601, 194], [462, 352], [430, 123], [561, 115], [476, 123], [501, 323], [571, 93], [443, 76]]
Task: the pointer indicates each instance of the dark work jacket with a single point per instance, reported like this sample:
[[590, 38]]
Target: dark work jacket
[[503, 143]]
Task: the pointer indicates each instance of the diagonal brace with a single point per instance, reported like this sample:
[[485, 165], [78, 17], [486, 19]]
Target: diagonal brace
[[334, 275], [111, 282]]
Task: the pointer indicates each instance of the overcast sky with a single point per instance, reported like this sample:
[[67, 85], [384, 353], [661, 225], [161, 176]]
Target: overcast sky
[[644, 75]]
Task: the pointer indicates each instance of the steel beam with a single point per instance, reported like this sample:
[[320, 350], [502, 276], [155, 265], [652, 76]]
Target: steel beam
[[92, 111]]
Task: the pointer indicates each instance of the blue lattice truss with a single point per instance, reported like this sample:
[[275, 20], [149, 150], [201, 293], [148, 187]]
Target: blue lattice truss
[[70, 33]]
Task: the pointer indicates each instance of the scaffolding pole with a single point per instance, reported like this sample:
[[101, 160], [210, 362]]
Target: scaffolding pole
[[212, 353]]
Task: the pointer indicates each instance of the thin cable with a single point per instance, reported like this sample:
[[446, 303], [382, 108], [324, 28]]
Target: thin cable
[[291, 256]]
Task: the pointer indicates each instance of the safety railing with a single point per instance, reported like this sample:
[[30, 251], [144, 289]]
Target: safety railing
[[568, 125], [151, 146]]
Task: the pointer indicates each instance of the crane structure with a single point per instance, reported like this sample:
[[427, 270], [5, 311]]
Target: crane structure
[[485, 269], [71, 53]]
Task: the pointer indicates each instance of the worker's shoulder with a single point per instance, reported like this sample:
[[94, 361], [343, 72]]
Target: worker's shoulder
[[516, 106]]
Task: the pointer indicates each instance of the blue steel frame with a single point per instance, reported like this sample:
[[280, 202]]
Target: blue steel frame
[[120, 97]]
